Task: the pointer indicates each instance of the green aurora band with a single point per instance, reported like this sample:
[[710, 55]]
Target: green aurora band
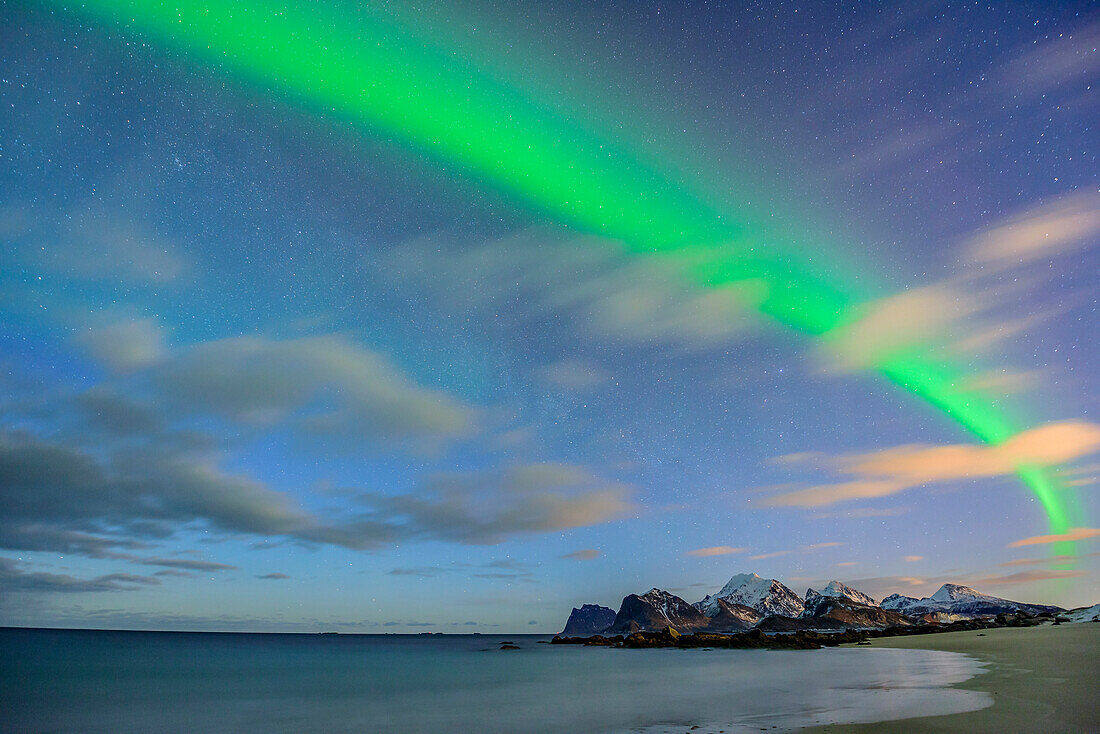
[[375, 74]]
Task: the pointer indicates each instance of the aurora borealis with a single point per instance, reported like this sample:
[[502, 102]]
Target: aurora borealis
[[418, 400]]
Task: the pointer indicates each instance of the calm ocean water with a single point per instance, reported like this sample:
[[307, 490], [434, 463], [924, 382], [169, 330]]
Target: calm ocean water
[[120, 682]]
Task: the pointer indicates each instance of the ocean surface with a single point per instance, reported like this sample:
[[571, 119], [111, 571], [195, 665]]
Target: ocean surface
[[120, 682]]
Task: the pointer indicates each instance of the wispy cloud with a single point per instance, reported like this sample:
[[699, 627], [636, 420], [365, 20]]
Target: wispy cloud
[[187, 563], [773, 554], [127, 345], [1024, 577], [573, 375], [1074, 534], [996, 294], [100, 244], [801, 549], [889, 471], [273, 576], [351, 392], [1050, 230], [586, 554], [486, 507], [13, 578], [589, 284], [913, 559], [1065, 64], [860, 513], [819, 546], [716, 550]]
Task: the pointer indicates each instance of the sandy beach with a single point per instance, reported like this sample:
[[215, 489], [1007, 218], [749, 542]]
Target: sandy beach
[[1042, 679]]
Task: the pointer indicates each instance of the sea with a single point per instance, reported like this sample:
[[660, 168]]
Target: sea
[[86, 681]]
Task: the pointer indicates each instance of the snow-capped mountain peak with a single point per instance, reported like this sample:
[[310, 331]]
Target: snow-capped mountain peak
[[837, 589], [669, 605], [766, 596], [960, 602], [958, 592]]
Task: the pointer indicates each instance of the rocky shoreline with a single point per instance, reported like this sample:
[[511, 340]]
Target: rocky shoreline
[[800, 640]]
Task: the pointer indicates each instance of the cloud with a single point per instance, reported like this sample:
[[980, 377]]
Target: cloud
[[717, 550], [58, 496], [586, 554], [1038, 561], [125, 346], [573, 375], [847, 563], [887, 472], [13, 579], [897, 324], [1023, 577], [590, 284], [819, 546], [486, 507], [332, 387], [801, 549], [421, 571], [1063, 64], [45, 536], [533, 621], [187, 563], [913, 559], [105, 410], [773, 554], [174, 572], [1074, 534], [101, 244], [857, 513], [1053, 229], [996, 294], [273, 576]]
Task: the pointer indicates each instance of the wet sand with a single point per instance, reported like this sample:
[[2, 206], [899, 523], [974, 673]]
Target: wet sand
[[1042, 679]]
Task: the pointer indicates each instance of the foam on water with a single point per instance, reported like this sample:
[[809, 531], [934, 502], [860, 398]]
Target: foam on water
[[120, 682]]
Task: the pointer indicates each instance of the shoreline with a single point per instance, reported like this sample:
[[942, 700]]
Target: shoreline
[[1041, 679]]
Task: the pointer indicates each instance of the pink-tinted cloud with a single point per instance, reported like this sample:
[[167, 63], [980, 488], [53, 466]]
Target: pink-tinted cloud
[[887, 472], [1023, 577], [717, 550], [1074, 534], [1052, 229], [585, 554], [773, 554]]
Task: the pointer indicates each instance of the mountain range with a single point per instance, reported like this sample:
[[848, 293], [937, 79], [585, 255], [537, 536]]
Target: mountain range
[[954, 601], [748, 601]]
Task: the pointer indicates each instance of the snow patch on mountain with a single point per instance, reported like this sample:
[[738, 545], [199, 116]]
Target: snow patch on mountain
[[766, 596], [1083, 614], [958, 592], [955, 601], [843, 591]]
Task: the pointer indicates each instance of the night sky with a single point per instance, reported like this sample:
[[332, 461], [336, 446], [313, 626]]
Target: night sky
[[289, 355]]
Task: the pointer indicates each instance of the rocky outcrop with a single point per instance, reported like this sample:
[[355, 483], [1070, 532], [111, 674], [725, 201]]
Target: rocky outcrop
[[831, 612], [589, 619], [732, 617], [655, 610]]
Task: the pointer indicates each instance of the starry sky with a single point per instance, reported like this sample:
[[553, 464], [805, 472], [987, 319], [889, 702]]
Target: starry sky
[[453, 316]]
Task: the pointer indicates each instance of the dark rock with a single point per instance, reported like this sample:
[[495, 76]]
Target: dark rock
[[732, 617], [655, 610], [833, 612], [589, 619]]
